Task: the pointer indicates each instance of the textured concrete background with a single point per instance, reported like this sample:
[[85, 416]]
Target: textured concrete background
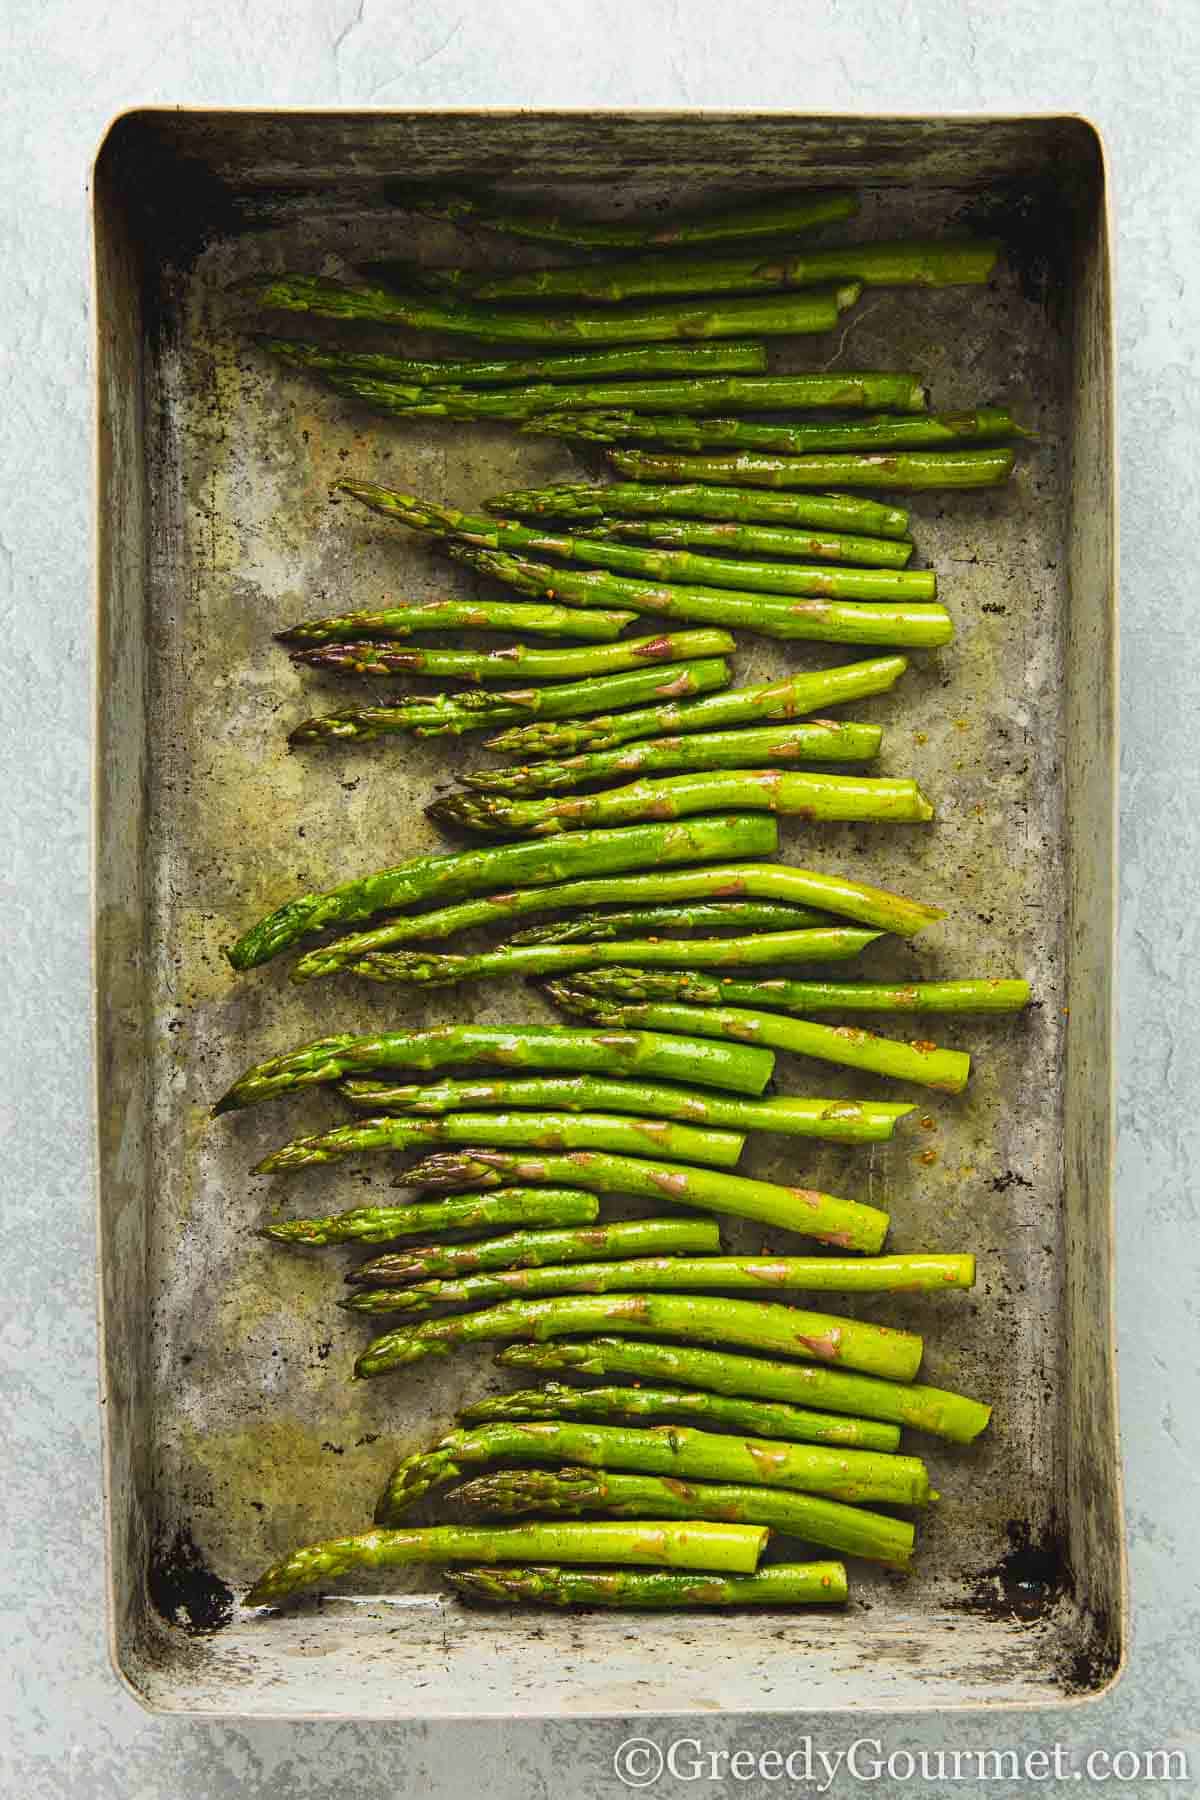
[[67, 1727]]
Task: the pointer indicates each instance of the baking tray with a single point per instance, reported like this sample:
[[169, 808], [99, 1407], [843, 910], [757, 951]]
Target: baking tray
[[232, 1432]]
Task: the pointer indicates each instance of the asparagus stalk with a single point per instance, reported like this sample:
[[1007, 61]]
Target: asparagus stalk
[[783, 541], [927, 469], [849, 1475], [819, 996], [758, 1418], [815, 309], [420, 968], [742, 1068], [678, 431], [930, 1409], [778, 216], [560, 1207], [580, 365], [473, 871], [590, 660], [916, 263], [532, 1249], [736, 1548], [656, 565], [532, 1130], [680, 1275], [584, 502], [783, 1584], [847, 1045], [475, 710], [905, 624], [846, 1224], [788, 699], [828, 893], [813, 740], [459, 615], [840, 1121], [807, 796], [850, 1529], [694, 915]]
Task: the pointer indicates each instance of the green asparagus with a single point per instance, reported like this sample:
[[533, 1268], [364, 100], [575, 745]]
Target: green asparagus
[[786, 542], [532, 1249], [847, 1045], [459, 615], [681, 1450], [840, 1121], [788, 699], [923, 1408], [472, 871], [739, 1067], [814, 309], [846, 1224], [709, 916], [907, 623], [680, 1275], [807, 796], [584, 365], [678, 431], [584, 502], [736, 1548], [782, 1584], [656, 565], [672, 648], [532, 1130], [912, 469], [479, 710], [820, 996], [850, 1529], [758, 1418], [777, 216], [466, 1212], [421, 968]]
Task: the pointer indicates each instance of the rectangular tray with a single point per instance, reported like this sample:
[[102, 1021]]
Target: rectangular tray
[[232, 1432]]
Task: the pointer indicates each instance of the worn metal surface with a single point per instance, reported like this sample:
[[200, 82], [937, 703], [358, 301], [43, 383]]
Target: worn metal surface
[[234, 1433]]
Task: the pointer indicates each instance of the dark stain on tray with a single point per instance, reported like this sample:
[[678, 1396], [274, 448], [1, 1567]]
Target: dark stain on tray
[[183, 1589], [1027, 1580]]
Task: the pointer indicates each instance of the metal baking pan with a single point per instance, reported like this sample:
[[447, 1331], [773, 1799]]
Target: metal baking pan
[[232, 1431]]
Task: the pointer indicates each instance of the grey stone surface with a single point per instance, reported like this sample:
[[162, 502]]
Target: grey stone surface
[[68, 1728]]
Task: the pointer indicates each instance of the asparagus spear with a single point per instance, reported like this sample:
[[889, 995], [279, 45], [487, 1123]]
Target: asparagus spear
[[420, 968], [816, 309], [680, 1275], [847, 1224], [587, 501], [782, 1584], [814, 740], [786, 542], [851, 1529], [870, 469], [780, 215], [580, 365], [759, 1418], [470, 871], [807, 796], [775, 615], [693, 915], [788, 699], [923, 1408], [677, 431], [476, 710], [656, 565], [519, 659], [829, 893], [841, 1121], [466, 1212], [722, 1546], [459, 615], [532, 1249], [849, 1475], [741, 1068], [919, 262], [847, 1045], [817, 996], [533, 1130]]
